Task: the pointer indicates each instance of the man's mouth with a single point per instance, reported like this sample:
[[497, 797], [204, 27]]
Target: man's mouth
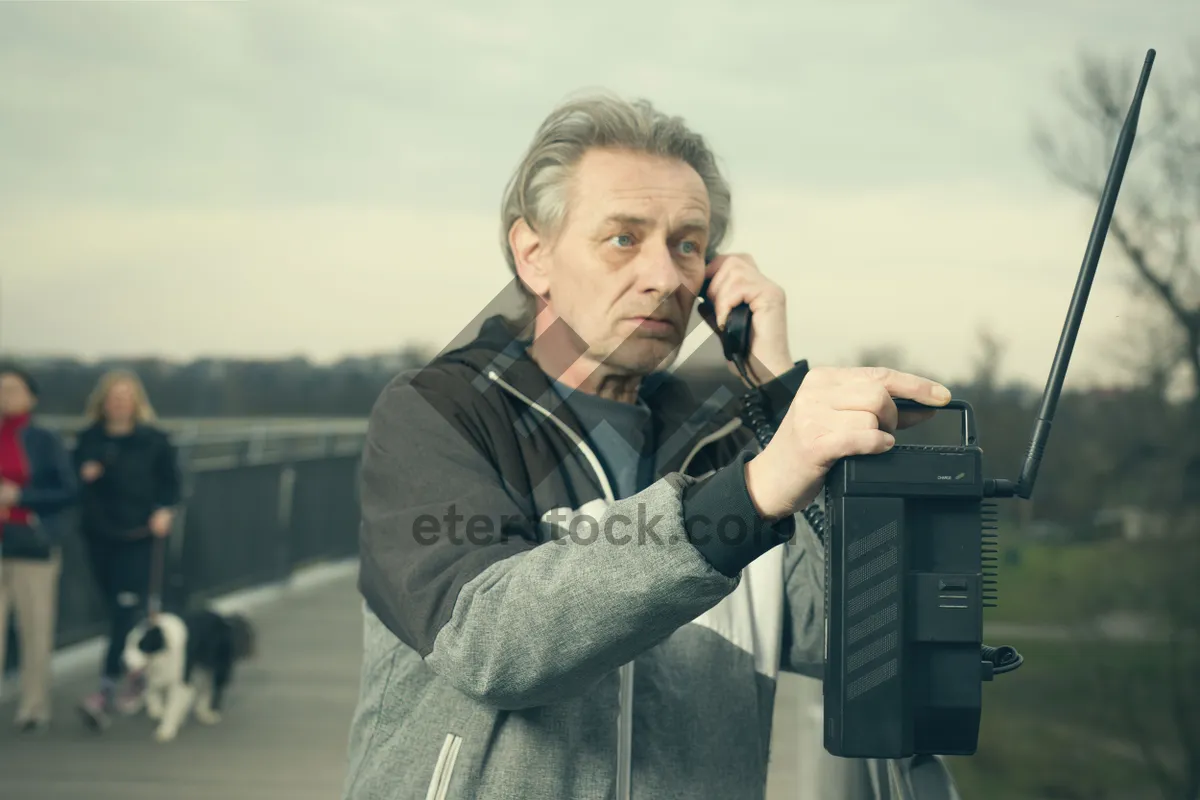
[[655, 323]]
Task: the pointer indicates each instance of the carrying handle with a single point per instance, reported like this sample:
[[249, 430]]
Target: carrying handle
[[969, 436]]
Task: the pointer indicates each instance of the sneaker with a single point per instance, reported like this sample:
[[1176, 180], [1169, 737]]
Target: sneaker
[[94, 710], [130, 699]]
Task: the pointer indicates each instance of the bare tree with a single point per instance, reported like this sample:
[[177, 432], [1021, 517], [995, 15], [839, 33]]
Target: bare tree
[[985, 371], [1149, 348], [1156, 230], [1156, 225]]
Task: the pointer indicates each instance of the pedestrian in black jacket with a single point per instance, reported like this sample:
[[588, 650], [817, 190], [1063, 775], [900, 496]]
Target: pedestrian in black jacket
[[131, 484], [37, 485]]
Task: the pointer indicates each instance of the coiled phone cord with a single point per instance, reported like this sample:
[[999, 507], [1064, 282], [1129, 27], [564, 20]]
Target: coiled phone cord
[[1005, 658], [754, 413]]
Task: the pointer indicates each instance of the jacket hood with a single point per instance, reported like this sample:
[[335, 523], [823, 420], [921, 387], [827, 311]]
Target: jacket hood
[[500, 351]]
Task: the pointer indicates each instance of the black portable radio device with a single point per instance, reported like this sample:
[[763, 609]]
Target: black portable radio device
[[910, 555]]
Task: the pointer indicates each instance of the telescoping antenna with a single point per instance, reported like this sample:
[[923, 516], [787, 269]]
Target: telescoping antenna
[[1023, 488]]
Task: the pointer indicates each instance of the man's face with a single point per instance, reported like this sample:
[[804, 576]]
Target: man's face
[[626, 266]]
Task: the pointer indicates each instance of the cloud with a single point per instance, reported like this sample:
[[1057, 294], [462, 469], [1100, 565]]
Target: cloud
[[922, 269], [245, 177], [254, 104], [322, 281], [925, 269]]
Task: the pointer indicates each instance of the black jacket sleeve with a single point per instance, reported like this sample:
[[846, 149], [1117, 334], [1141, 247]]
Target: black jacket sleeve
[[85, 449], [723, 495], [53, 485]]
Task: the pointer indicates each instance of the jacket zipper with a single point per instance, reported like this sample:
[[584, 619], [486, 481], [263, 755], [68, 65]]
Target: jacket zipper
[[625, 717], [580, 443], [625, 673]]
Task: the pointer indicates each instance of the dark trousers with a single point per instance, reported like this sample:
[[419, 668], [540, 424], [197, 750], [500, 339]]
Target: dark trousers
[[122, 571]]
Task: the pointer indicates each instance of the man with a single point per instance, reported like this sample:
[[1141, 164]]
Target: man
[[546, 524]]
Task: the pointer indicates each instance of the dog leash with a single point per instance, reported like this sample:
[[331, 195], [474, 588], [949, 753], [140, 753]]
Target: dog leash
[[156, 577]]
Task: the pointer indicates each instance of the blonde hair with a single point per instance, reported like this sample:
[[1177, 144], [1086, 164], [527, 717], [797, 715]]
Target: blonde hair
[[143, 410]]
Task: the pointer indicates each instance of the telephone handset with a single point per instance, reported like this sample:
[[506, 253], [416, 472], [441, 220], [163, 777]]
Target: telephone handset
[[735, 338]]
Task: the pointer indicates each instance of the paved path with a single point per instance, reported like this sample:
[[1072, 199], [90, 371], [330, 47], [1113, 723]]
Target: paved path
[[283, 736]]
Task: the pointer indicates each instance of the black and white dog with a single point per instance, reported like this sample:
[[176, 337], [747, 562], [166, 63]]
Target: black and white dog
[[187, 662]]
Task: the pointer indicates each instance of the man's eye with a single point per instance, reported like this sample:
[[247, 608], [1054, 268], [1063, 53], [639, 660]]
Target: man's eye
[[623, 240], [690, 248]]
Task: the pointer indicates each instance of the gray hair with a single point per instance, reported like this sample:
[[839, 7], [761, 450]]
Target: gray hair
[[537, 189]]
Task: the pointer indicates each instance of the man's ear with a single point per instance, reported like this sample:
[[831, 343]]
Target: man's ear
[[529, 253]]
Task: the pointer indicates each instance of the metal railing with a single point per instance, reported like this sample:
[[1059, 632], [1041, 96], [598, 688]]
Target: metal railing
[[259, 502], [251, 441]]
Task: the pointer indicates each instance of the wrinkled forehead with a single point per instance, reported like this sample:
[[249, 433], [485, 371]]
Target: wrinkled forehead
[[620, 187]]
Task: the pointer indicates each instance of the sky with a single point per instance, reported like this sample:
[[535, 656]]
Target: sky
[[258, 179]]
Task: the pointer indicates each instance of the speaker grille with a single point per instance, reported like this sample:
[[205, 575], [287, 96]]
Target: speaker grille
[[873, 568]]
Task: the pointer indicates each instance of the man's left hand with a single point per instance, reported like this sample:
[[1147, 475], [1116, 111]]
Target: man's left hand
[[160, 522], [736, 279]]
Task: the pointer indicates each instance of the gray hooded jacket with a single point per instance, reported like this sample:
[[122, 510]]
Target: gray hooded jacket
[[509, 596]]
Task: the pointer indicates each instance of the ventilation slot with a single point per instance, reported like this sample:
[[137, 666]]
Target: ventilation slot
[[990, 554]]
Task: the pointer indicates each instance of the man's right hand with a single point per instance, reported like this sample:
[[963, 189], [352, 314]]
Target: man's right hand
[[91, 471], [837, 412]]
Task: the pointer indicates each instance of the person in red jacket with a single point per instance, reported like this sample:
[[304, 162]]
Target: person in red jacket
[[37, 484]]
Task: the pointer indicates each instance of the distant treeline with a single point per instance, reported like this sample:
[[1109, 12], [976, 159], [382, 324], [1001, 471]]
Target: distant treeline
[[231, 387], [1098, 456]]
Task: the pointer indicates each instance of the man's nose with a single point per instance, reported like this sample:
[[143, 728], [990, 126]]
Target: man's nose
[[659, 273]]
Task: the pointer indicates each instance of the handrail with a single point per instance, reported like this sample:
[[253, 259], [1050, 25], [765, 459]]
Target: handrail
[[253, 443]]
